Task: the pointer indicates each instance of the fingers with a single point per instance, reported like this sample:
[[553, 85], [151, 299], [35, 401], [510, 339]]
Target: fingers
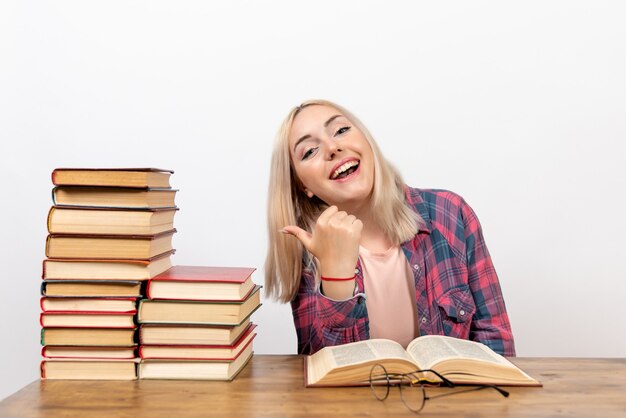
[[327, 214], [343, 220], [333, 230]]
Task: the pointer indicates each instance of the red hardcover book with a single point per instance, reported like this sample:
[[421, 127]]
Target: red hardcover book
[[199, 352], [202, 283]]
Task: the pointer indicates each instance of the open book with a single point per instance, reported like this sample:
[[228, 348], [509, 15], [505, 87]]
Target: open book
[[461, 361]]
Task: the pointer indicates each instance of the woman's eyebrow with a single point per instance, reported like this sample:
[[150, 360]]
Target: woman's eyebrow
[[307, 136], [332, 118]]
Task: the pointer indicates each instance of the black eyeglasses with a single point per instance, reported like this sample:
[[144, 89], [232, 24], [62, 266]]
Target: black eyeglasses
[[411, 385]]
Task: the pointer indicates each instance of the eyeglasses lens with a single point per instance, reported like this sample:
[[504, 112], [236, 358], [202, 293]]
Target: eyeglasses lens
[[379, 382], [413, 396]]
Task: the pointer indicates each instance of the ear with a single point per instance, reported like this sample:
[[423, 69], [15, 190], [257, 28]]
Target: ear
[[309, 193]]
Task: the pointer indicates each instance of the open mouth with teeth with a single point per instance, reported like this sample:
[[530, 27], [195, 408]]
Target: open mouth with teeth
[[345, 170]]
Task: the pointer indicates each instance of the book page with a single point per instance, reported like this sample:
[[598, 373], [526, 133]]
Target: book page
[[430, 349], [367, 350]]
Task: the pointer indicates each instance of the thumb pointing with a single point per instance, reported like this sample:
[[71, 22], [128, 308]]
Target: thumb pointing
[[303, 236]]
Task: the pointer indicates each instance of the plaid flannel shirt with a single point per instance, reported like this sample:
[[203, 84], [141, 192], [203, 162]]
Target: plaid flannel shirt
[[456, 286]]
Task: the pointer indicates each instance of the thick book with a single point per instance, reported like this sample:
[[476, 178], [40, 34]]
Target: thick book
[[186, 334], [94, 220], [96, 269], [195, 369], [91, 288], [198, 352], [73, 352], [113, 197], [117, 177], [201, 283], [86, 369], [194, 312], [88, 336], [97, 246], [87, 320], [110, 305], [460, 361]]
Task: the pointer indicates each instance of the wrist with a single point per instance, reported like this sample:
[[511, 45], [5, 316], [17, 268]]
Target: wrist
[[340, 270]]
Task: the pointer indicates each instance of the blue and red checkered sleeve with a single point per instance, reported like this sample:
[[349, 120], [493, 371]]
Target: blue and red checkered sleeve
[[321, 321], [490, 324]]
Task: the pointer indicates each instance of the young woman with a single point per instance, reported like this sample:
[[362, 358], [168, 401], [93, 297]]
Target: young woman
[[361, 255]]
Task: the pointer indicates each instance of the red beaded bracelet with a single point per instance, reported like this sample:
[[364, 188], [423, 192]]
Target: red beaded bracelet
[[337, 279]]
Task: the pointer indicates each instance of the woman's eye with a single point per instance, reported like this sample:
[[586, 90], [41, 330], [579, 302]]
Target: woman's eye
[[308, 153], [342, 130]]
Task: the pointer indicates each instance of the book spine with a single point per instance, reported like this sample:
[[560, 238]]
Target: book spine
[[48, 239], [49, 221]]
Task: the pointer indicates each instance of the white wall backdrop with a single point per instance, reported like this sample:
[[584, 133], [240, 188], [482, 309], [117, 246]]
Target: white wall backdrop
[[519, 107]]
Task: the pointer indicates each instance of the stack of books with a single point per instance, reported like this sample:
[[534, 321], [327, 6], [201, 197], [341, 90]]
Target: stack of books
[[195, 323], [110, 230]]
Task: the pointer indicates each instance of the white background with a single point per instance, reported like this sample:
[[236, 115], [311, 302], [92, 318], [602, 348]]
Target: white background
[[520, 108]]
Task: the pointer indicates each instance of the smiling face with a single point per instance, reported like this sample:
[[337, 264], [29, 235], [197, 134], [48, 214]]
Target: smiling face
[[332, 158]]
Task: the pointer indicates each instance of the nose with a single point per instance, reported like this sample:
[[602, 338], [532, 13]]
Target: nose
[[332, 149]]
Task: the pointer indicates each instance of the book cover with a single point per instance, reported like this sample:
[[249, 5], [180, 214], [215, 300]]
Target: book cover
[[91, 288], [198, 312], [94, 304], [199, 352], [192, 334], [87, 319], [206, 274], [195, 369], [114, 197], [101, 220], [202, 283], [88, 369], [97, 269], [108, 246], [123, 337], [118, 177], [85, 352]]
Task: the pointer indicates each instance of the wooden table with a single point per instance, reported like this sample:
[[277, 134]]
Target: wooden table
[[273, 386]]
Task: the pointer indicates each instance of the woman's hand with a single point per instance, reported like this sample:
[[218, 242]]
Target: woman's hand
[[334, 242]]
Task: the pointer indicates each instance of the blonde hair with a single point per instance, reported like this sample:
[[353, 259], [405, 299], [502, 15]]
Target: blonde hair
[[289, 205]]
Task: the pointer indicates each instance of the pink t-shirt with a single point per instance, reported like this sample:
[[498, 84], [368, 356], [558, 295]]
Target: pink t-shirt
[[390, 289]]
